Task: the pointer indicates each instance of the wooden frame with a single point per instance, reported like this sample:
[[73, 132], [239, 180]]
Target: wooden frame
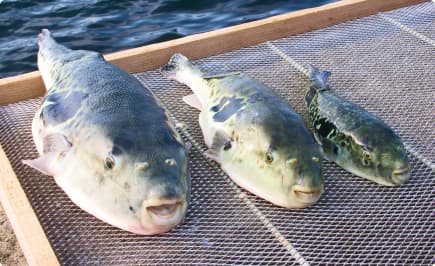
[[30, 234]]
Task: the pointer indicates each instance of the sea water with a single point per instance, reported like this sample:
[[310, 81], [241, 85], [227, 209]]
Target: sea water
[[107, 26]]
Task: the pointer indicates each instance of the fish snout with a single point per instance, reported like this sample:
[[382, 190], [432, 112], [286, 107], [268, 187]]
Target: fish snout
[[400, 175], [163, 214], [306, 195], [164, 207]]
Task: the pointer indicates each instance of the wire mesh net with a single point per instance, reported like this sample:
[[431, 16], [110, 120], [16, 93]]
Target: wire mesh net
[[375, 63]]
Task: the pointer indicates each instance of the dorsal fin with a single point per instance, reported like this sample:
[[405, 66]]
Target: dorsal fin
[[318, 80]]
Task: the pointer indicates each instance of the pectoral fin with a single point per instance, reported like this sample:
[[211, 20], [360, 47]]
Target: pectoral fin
[[55, 147], [193, 101], [44, 163]]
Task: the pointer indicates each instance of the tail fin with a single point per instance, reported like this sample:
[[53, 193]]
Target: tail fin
[[318, 80], [177, 64], [47, 42], [179, 68], [45, 33]]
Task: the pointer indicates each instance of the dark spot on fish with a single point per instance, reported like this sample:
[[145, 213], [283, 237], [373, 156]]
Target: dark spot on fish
[[228, 110], [335, 150], [326, 127], [131, 208], [63, 106], [221, 103], [126, 186], [227, 145]]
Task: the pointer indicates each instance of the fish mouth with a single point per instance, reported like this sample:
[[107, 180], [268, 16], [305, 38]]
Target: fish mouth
[[164, 210], [307, 196], [163, 214], [400, 176]]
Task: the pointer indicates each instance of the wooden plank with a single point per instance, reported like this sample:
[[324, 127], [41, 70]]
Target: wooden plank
[[30, 235], [205, 44], [21, 87]]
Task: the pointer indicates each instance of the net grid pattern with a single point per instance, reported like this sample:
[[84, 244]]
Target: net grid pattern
[[375, 63]]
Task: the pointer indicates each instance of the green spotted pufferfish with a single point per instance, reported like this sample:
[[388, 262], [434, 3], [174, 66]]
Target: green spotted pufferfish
[[355, 139]]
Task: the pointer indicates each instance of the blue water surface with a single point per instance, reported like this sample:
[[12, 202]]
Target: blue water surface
[[107, 26]]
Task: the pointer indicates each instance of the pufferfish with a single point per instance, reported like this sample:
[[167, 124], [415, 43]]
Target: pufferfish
[[356, 140], [255, 136], [108, 142]]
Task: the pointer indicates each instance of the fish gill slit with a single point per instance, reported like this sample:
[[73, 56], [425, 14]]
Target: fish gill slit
[[244, 197]]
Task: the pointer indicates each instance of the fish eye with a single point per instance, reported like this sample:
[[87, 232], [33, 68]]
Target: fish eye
[[110, 162], [170, 162], [269, 157], [367, 155]]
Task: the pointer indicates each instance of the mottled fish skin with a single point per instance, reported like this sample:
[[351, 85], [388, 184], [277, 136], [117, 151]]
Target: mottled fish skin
[[257, 138], [356, 140], [108, 142]]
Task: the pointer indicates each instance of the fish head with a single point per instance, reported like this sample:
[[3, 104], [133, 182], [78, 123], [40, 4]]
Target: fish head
[[143, 190], [287, 173], [162, 185], [381, 157], [302, 168], [54, 59], [166, 188]]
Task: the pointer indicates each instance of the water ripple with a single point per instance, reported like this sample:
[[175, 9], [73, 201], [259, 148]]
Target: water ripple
[[107, 26]]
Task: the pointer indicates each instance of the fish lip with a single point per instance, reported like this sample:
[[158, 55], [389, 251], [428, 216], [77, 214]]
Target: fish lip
[[173, 207], [159, 201], [307, 195], [400, 171], [401, 175], [152, 216]]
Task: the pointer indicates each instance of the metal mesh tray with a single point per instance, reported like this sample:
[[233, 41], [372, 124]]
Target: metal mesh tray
[[383, 62]]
